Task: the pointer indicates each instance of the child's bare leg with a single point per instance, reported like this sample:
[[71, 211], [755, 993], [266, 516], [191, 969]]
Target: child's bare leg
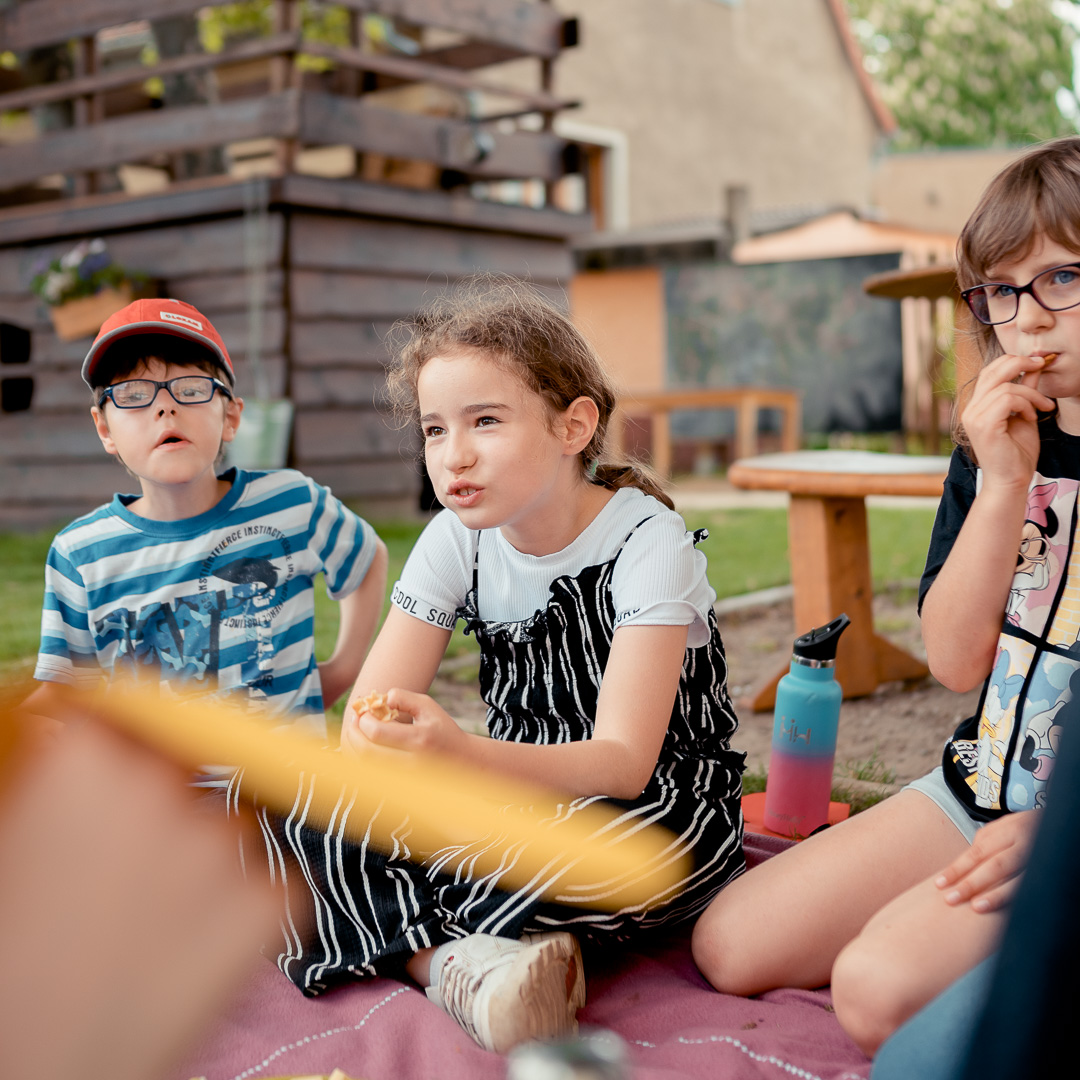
[[906, 955], [784, 922], [419, 966]]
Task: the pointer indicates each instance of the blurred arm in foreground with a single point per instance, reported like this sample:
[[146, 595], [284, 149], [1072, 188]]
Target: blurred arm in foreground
[[125, 923]]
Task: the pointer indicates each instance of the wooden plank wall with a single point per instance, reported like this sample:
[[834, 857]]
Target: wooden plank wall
[[336, 283], [350, 280]]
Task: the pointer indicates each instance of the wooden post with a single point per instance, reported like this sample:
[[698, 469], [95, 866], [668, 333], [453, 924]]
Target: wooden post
[[359, 80], [351, 79], [829, 549], [828, 546], [86, 108], [661, 442], [547, 81], [284, 75], [933, 421], [747, 415], [595, 166], [968, 355], [791, 429]]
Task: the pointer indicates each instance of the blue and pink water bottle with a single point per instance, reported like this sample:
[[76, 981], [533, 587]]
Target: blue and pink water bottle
[[804, 735]]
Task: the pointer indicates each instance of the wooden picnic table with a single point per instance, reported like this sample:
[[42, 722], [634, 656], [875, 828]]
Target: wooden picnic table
[[747, 401], [830, 554]]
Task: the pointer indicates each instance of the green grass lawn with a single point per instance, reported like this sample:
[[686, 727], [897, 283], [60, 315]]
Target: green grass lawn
[[22, 557], [746, 549]]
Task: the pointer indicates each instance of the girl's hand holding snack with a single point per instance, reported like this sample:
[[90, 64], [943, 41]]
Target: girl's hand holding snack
[[1001, 420], [373, 708], [378, 705], [402, 720]]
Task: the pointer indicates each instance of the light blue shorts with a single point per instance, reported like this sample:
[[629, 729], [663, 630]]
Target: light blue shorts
[[933, 786]]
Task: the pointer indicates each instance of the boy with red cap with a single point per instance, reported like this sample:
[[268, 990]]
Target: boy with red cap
[[204, 580]]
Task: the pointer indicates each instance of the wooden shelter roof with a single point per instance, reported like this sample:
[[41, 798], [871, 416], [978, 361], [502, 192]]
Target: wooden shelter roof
[[463, 127], [841, 233], [928, 282]]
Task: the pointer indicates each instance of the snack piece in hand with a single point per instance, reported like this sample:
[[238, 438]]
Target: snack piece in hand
[[376, 704]]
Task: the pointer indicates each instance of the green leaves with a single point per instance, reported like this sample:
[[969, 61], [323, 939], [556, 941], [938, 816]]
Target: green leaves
[[970, 72]]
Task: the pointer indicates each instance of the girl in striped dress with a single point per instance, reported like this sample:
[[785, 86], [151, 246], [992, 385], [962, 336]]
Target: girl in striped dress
[[601, 666]]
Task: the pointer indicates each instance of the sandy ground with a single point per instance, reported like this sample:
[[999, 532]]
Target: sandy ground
[[899, 731]]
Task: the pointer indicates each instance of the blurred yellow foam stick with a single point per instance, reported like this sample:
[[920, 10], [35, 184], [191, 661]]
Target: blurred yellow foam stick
[[495, 822]]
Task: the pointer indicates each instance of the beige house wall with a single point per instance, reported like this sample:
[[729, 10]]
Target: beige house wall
[[935, 190], [710, 94]]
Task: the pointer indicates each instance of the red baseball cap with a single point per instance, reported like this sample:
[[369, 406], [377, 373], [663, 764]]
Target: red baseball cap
[[157, 317]]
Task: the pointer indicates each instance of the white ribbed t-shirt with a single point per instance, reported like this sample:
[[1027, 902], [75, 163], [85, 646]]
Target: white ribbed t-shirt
[[659, 579]]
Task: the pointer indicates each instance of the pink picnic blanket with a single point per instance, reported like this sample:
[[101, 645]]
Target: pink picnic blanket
[[674, 1023]]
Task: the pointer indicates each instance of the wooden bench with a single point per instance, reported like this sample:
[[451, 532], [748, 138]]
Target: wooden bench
[[746, 401]]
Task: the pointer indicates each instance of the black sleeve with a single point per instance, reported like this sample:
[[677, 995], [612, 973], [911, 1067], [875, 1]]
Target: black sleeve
[[955, 503]]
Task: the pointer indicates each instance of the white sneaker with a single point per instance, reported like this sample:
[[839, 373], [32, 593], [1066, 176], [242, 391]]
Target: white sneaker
[[505, 992], [568, 946]]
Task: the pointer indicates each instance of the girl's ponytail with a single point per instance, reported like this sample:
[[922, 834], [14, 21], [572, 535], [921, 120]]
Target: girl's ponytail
[[613, 477]]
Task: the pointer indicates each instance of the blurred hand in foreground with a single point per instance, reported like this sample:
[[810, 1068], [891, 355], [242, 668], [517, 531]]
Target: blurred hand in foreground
[[125, 923]]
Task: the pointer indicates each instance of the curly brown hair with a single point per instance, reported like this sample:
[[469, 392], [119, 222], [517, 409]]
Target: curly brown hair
[[514, 324]]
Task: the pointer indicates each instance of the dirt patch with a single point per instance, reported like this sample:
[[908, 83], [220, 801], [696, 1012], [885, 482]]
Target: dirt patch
[[899, 730]]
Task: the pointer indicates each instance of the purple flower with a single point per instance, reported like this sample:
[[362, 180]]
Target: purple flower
[[93, 263]]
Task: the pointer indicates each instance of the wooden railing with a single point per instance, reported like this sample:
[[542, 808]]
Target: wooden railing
[[297, 110], [524, 27]]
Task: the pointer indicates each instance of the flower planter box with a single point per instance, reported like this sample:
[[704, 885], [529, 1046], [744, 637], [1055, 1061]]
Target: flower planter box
[[83, 317]]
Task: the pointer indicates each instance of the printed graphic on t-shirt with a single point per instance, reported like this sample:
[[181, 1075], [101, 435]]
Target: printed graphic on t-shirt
[[1041, 560], [1008, 763], [183, 640], [1065, 630], [991, 745], [1054, 681]]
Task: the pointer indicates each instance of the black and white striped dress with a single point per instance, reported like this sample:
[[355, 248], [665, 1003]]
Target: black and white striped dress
[[355, 911]]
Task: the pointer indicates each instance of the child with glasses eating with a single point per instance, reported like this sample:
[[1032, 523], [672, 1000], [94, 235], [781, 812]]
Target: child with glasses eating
[[204, 580], [895, 904]]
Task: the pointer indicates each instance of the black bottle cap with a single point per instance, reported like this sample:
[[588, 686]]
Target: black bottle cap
[[820, 643]]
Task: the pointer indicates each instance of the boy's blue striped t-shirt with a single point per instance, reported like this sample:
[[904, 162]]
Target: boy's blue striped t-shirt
[[218, 603]]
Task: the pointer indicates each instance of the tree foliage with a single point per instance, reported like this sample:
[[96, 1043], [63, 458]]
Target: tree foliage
[[325, 23], [970, 72]]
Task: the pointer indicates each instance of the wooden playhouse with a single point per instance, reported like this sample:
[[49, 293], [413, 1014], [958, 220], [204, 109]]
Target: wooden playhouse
[[304, 192]]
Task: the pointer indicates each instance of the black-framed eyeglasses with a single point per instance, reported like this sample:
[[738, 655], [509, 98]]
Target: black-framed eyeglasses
[[1056, 289], [184, 389]]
